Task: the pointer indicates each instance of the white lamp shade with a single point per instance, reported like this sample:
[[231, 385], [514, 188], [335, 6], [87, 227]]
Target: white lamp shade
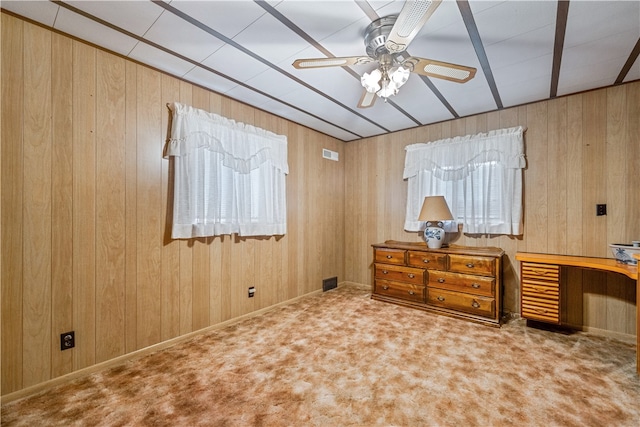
[[371, 81], [399, 76]]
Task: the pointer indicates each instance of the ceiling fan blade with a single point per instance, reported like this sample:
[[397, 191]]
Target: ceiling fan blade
[[441, 70], [413, 16], [367, 100], [331, 62]]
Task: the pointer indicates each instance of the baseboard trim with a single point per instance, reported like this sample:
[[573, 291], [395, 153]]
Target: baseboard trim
[[34, 389], [627, 338]]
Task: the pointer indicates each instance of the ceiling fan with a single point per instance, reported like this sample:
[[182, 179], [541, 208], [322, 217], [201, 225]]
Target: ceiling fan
[[386, 40]]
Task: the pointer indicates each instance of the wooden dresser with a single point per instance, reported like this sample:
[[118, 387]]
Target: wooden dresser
[[459, 281]]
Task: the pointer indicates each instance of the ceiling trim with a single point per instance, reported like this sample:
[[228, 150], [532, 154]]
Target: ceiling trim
[[633, 57], [474, 35], [561, 29]]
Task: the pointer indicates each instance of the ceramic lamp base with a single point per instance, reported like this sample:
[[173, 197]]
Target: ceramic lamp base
[[434, 235]]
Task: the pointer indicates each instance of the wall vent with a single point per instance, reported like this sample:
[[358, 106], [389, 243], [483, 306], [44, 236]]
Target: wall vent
[[328, 284], [331, 155]]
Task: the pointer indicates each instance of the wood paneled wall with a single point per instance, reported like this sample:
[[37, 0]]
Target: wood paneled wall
[[85, 198], [86, 212], [581, 150]]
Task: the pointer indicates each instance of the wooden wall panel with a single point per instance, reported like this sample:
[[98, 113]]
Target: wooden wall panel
[[62, 200], [36, 217], [170, 300], [186, 268], [574, 183], [110, 206], [84, 203], [131, 225], [108, 189], [571, 143], [86, 195], [149, 140], [12, 84]]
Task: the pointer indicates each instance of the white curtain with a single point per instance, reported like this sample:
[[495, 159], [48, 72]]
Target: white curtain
[[480, 177], [229, 176]]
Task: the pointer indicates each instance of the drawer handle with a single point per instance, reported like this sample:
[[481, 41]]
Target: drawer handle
[[540, 272], [475, 304], [441, 280], [389, 256], [540, 310], [411, 293], [384, 288], [475, 286], [426, 261], [385, 272], [440, 298], [470, 265], [411, 275]]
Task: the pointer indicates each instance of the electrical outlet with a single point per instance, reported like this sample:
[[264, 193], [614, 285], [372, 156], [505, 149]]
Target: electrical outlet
[[601, 210], [252, 291], [67, 340]]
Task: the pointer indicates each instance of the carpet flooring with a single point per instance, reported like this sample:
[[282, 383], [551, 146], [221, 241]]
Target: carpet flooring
[[342, 359]]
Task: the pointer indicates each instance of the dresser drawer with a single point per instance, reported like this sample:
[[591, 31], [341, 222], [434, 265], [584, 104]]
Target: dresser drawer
[[482, 306], [478, 285], [540, 272], [430, 261], [540, 309], [471, 264], [399, 273], [389, 256], [402, 290]]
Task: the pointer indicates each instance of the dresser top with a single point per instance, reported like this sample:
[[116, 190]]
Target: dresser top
[[451, 249]]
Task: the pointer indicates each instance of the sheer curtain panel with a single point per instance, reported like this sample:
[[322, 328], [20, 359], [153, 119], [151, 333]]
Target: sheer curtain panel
[[480, 177], [229, 177]]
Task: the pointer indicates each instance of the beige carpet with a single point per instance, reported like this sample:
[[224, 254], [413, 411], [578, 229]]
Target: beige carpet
[[342, 359]]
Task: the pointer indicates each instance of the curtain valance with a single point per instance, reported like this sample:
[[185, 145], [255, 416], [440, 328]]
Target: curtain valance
[[454, 158], [229, 177], [244, 147]]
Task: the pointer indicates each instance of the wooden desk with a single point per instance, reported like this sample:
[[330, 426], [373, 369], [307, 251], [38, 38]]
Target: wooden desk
[[540, 281]]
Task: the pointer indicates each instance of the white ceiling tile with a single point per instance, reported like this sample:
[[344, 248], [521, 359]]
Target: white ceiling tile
[[524, 92], [320, 106], [159, 59], [43, 11], [226, 17], [133, 16], [180, 36], [323, 19], [86, 29], [274, 83], [209, 80], [270, 39], [233, 62], [518, 38], [311, 122]]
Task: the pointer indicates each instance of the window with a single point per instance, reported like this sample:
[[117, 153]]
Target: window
[[229, 177], [480, 177]]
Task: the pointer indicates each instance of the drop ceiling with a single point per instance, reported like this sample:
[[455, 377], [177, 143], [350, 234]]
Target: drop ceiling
[[524, 51]]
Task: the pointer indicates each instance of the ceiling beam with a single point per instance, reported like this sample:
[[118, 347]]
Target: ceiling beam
[[561, 28]]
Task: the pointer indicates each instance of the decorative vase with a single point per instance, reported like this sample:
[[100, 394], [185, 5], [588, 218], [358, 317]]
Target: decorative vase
[[434, 234]]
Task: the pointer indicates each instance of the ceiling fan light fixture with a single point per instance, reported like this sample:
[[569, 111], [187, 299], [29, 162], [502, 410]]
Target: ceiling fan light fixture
[[371, 81], [399, 75], [389, 88]]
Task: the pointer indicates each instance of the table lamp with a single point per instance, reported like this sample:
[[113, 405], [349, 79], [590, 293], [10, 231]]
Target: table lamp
[[434, 211]]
